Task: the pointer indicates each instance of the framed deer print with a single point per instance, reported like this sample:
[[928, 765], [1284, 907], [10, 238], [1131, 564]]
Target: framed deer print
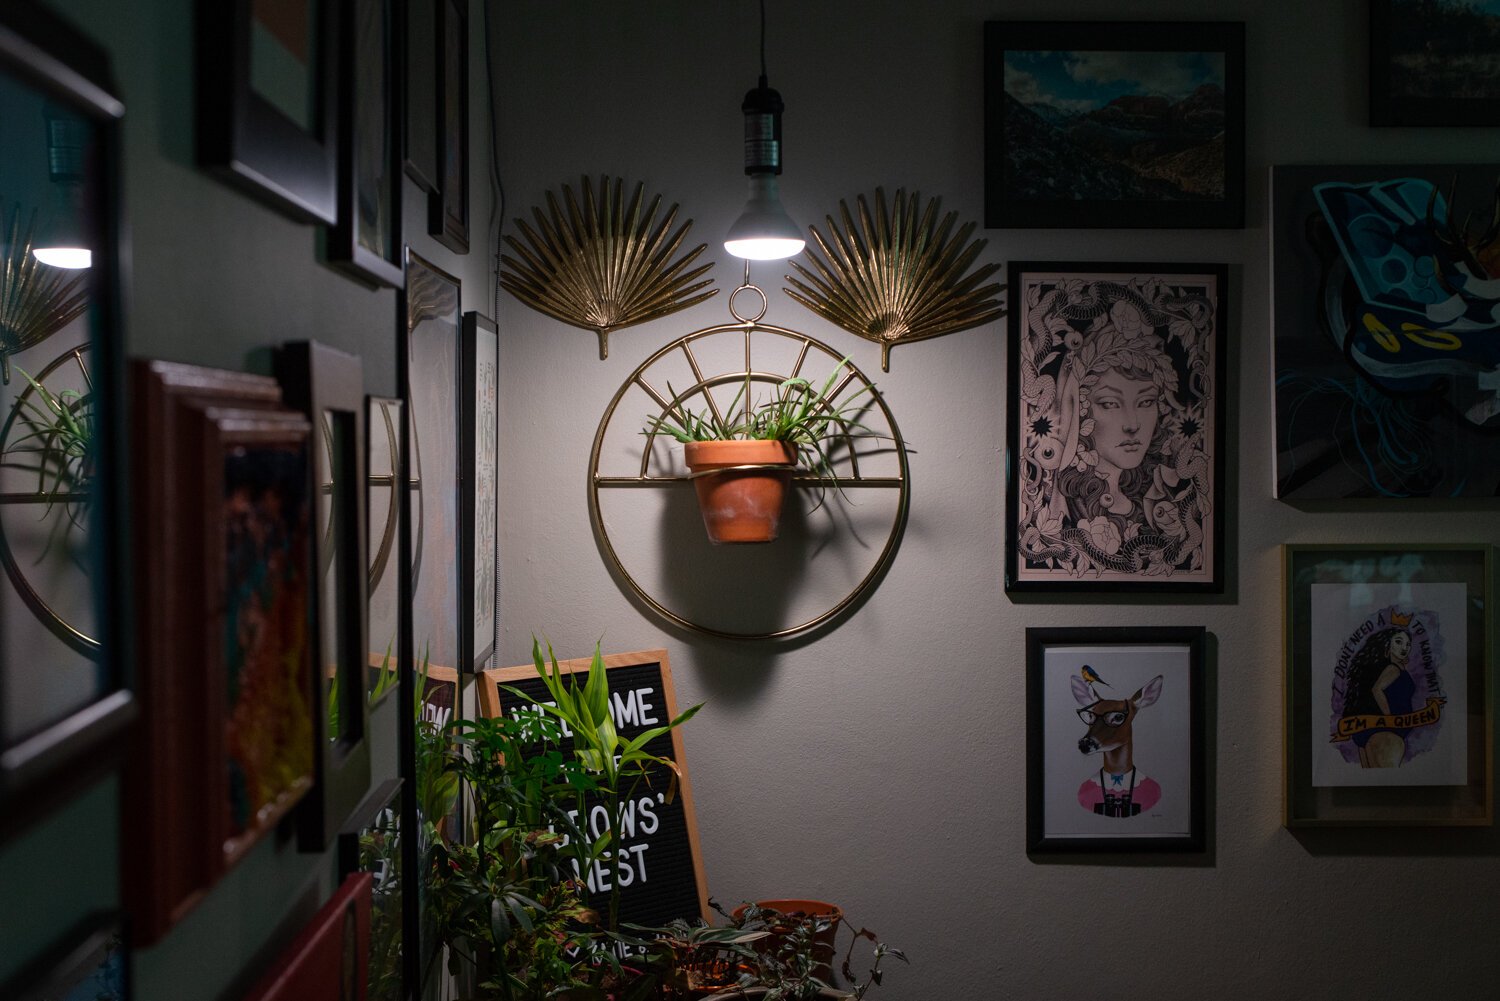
[[1115, 444], [1386, 687], [1115, 740]]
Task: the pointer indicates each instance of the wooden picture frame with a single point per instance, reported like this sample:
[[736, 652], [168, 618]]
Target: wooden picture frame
[[373, 842], [62, 731], [1388, 685], [481, 356], [1070, 105], [221, 468], [1115, 430], [257, 129], [641, 696], [330, 956], [327, 386], [91, 962], [386, 509], [1380, 334], [366, 240], [1434, 64], [1109, 677], [448, 205]]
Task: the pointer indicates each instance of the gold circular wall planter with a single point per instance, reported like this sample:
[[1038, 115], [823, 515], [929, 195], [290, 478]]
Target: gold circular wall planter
[[746, 339]]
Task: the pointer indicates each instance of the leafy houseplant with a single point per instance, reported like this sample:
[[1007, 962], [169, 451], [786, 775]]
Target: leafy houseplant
[[742, 464], [609, 760], [512, 904], [763, 953]]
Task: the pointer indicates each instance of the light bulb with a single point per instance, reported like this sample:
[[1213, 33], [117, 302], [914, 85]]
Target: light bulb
[[72, 258], [764, 232]]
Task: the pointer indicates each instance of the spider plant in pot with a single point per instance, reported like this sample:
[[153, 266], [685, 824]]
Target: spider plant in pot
[[742, 464]]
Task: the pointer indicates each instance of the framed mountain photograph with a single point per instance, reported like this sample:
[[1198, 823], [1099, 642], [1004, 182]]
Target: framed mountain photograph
[[1111, 125]]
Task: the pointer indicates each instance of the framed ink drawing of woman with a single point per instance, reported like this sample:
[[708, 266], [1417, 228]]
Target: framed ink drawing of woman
[[1115, 439]]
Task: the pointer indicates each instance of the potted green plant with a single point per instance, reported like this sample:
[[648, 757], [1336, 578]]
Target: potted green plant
[[762, 954], [742, 464]]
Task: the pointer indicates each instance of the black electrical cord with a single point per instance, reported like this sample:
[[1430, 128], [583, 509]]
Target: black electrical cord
[[762, 43]]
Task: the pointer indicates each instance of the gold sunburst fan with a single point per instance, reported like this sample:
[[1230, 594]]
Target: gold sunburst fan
[[895, 278], [603, 266], [36, 301]]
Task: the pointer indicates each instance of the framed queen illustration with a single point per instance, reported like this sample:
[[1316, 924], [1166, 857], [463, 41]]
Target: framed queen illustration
[[1386, 685], [1115, 427]]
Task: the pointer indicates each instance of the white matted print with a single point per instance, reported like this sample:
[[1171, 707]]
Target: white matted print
[[1115, 739], [1389, 696]]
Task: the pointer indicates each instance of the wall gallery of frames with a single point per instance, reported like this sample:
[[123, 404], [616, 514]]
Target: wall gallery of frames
[[267, 426]]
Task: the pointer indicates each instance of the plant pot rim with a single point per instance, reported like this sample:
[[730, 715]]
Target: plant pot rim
[[738, 452]]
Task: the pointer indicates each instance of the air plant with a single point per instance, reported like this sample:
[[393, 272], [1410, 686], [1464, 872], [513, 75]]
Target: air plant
[[808, 418], [60, 429]]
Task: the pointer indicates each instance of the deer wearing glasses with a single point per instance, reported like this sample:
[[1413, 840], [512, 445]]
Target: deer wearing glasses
[[1120, 789]]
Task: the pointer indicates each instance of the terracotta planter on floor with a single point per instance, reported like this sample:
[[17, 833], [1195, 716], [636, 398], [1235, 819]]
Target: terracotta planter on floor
[[824, 941], [741, 505]]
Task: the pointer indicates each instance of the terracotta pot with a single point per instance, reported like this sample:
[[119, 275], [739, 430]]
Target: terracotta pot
[[741, 505], [824, 941]]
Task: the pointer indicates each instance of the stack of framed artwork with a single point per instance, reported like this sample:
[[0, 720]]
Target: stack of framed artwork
[[318, 108], [1385, 309]]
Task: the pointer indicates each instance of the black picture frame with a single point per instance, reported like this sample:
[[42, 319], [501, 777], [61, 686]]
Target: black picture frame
[[244, 136], [420, 55], [1342, 606], [1148, 527], [1067, 666], [387, 509], [43, 765], [1069, 142], [480, 479], [92, 957], [448, 204], [1436, 34], [327, 386], [366, 242], [373, 841]]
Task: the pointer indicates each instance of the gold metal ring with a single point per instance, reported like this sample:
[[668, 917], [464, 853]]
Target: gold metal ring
[[645, 478]]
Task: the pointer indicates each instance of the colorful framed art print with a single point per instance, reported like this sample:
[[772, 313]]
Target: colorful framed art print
[[1115, 758], [1386, 309], [1387, 685], [1116, 428]]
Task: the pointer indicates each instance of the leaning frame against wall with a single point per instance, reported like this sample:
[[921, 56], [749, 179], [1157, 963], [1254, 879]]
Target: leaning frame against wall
[[223, 569], [59, 453]]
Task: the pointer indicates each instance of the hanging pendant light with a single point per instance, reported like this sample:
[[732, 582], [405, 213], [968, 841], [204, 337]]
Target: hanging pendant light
[[63, 245], [763, 232]]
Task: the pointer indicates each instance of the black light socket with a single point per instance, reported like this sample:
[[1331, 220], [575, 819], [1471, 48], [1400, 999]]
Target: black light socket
[[762, 108]]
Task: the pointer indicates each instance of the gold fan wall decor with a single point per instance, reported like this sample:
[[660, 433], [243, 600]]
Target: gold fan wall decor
[[36, 300], [897, 277], [605, 264]]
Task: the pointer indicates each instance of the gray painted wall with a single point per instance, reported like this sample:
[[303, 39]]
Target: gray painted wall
[[881, 765], [218, 280]]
